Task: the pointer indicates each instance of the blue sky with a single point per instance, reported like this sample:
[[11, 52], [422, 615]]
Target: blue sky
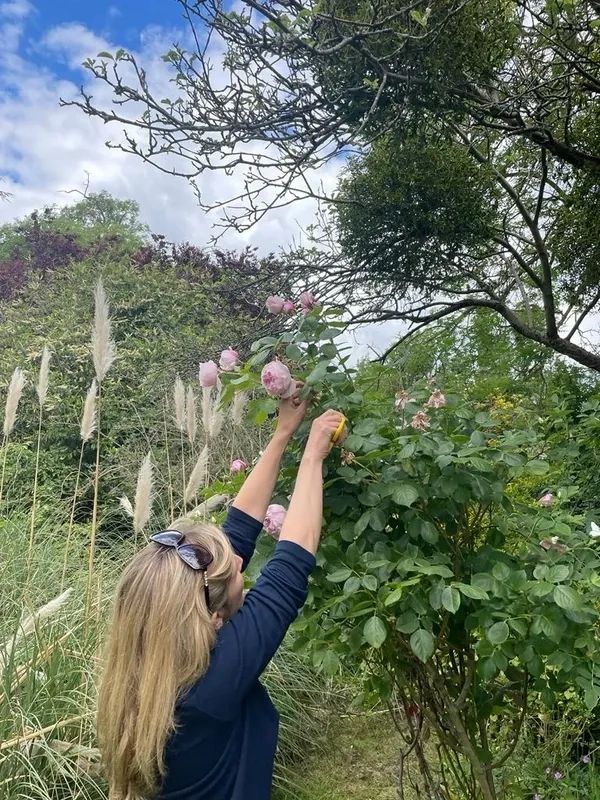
[[48, 153]]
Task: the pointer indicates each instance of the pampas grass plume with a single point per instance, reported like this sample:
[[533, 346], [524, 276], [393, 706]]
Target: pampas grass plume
[[88, 420], [238, 407], [190, 415], [125, 504], [179, 403], [42, 386], [15, 390], [28, 625], [198, 476], [206, 407], [217, 418], [103, 347], [143, 495]]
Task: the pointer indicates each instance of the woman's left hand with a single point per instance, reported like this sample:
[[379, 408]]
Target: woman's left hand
[[292, 411]]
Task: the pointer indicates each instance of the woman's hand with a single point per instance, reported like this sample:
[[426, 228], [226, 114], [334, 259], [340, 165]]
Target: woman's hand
[[321, 431], [292, 411]]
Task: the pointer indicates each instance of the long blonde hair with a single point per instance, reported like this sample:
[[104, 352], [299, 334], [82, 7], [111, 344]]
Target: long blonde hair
[[159, 643]]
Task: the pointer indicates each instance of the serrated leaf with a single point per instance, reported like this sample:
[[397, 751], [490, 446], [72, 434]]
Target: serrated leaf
[[501, 572], [404, 494], [407, 623], [394, 596], [565, 597], [422, 644], [352, 585], [451, 599], [498, 633], [330, 663], [369, 582], [474, 592], [339, 575], [375, 631]]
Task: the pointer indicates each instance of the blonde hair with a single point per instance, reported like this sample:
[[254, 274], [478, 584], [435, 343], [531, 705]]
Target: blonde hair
[[159, 643]]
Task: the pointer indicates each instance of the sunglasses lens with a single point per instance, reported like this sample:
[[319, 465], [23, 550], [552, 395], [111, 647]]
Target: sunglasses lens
[[194, 556], [168, 538]]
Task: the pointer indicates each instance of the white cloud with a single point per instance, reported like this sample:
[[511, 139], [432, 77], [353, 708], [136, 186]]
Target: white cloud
[[16, 8], [74, 43]]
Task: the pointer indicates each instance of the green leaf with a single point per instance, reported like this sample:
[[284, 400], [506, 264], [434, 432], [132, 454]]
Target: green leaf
[[375, 631], [558, 573], [352, 585], [498, 633], [565, 597], [422, 644], [369, 582], [330, 663], [318, 373], [393, 597], [501, 572], [407, 623], [340, 575], [538, 467], [451, 599], [474, 592], [105, 54], [404, 494]]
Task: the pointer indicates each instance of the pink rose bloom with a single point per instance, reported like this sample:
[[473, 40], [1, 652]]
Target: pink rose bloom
[[229, 359], [277, 380], [420, 421], [238, 465], [307, 301], [437, 399], [546, 500], [275, 304], [208, 373], [274, 520], [288, 307]]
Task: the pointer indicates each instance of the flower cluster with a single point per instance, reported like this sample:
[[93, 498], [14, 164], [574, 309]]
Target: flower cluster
[[208, 372], [421, 420], [279, 305]]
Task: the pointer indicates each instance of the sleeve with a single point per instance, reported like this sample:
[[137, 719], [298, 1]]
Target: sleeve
[[250, 639], [242, 530]]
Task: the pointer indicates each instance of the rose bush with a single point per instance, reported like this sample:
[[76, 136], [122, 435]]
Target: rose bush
[[458, 603]]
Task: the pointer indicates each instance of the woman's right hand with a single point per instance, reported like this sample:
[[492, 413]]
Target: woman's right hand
[[321, 431]]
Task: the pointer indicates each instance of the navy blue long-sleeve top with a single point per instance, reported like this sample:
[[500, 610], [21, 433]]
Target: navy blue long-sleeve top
[[226, 736]]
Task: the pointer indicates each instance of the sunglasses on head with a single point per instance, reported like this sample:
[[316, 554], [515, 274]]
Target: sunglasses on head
[[194, 555]]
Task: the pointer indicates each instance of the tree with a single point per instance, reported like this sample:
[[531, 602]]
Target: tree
[[451, 593], [489, 105]]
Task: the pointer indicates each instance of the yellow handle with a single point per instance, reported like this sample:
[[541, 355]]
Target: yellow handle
[[338, 432]]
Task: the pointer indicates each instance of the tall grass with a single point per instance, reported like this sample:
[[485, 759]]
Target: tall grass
[[56, 585]]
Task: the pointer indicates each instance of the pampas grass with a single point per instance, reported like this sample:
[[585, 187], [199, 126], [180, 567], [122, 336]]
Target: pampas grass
[[190, 415], [29, 624], [198, 476], [179, 404], [238, 407], [42, 391], [103, 350], [206, 407], [143, 496], [179, 417], [15, 390], [125, 504], [217, 417], [86, 430]]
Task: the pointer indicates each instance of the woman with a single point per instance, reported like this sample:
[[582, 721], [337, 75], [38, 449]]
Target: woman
[[181, 712]]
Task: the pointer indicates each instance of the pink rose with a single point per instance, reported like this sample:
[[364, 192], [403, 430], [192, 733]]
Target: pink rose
[[274, 520], [275, 304], [229, 359], [437, 399], [208, 373], [546, 500], [288, 307], [307, 301], [238, 465], [420, 421], [277, 380]]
